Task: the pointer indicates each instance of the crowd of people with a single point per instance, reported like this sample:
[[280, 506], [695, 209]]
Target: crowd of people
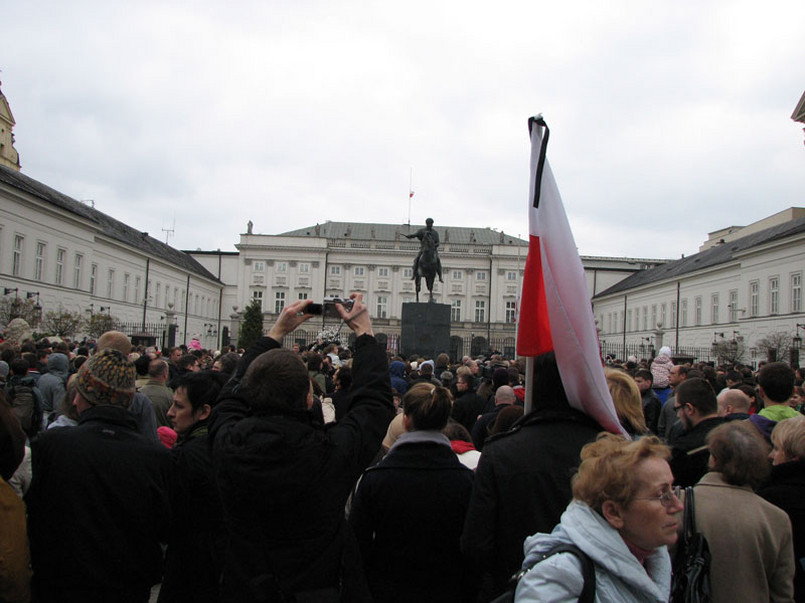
[[354, 474]]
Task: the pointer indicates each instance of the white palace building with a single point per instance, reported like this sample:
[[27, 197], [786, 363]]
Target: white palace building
[[743, 288], [482, 270]]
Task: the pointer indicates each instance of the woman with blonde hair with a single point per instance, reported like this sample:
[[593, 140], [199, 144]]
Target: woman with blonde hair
[[622, 517], [628, 402], [408, 511], [785, 487]]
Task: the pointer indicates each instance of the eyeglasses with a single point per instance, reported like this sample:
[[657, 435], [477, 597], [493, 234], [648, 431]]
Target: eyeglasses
[[667, 498]]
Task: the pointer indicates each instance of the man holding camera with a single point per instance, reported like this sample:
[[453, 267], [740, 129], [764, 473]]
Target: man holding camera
[[284, 479]]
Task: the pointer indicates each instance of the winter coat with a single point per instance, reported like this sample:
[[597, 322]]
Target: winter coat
[[407, 515], [651, 409], [480, 431], [619, 576], [111, 485], [161, 397], [25, 399], [284, 481], [785, 488], [397, 372], [466, 409], [522, 486], [196, 541], [779, 412], [661, 371], [689, 453], [52, 385], [750, 543], [143, 412], [15, 568]]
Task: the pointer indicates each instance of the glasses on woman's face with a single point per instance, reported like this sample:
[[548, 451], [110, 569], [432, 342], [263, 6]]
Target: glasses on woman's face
[[667, 498]]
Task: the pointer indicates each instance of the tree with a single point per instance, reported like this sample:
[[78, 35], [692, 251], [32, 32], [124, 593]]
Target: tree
[[252, 327], [729, 352], [775, 345], [98, 324], [63, 323], [15, 307]]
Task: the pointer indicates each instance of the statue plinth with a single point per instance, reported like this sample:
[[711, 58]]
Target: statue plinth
[[425, 329]]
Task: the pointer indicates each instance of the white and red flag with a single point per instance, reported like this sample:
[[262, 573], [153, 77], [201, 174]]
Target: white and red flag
[[555, 312]]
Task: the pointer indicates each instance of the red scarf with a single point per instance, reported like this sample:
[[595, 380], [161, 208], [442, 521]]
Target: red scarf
[[460, 446]]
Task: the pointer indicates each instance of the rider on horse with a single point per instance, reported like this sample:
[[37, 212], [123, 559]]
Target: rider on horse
[[430, 240]]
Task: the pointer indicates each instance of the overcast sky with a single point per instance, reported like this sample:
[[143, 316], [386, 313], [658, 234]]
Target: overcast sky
[[668, 120]]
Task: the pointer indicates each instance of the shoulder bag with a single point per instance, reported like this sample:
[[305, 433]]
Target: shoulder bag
[[691, 569]]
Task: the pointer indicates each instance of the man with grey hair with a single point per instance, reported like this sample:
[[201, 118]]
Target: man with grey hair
[[733, 405], [160, 395]]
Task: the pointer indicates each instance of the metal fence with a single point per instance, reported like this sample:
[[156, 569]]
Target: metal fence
[[645, 352], [152, 334], [459, 345]]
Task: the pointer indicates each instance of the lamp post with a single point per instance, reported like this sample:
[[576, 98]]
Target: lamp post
[[796, 346], [37, 306]]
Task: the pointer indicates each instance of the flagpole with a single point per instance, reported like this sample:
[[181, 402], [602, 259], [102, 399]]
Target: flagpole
[[410, 193], [529, 384]]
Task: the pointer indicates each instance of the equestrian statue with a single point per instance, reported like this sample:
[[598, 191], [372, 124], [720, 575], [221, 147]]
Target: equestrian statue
[[426, 263]]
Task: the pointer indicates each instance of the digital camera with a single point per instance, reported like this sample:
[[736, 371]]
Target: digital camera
[[328, 307]]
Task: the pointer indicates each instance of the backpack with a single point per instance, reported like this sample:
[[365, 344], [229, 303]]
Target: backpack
[[587, 571], [24, 399]]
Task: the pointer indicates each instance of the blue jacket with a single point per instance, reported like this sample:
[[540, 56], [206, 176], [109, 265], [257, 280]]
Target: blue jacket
[[397, 373], [618, 574]]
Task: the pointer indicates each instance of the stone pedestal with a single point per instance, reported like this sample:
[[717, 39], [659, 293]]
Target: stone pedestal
[[425, 329]]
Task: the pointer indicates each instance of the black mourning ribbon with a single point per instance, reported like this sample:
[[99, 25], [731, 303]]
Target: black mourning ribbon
[[539, 121]]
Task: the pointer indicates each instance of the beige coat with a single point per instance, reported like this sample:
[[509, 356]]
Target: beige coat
[[750, 543]]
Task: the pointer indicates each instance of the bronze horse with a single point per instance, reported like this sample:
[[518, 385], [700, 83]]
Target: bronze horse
[[427, 267]]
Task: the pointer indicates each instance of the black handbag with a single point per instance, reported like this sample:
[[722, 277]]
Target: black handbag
[[587, 571], [691, 577]]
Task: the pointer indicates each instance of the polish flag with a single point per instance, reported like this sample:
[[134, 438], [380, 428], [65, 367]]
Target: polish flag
[[555, 313]]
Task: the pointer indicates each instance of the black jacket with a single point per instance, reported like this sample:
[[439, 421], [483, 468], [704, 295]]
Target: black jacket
[[786, 489], [98, 509], [408, 514], [689, 454], [194, 555], [522, 486], [651, 409], [467, 408], [284, 481]]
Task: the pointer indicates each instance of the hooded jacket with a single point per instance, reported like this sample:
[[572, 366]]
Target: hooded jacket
[[619, 576], [397, 372], [661, 371], [53, 383]]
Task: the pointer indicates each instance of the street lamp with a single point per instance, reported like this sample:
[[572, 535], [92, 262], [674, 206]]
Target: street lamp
[[8, 290], [37, 306], [796, 341]]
